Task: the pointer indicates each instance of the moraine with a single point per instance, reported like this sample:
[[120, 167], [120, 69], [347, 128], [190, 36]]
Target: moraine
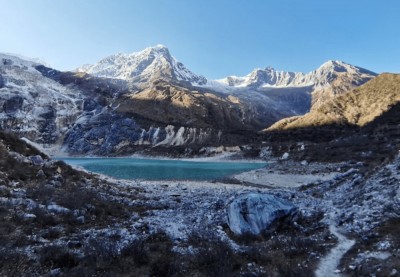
[[154, 169]]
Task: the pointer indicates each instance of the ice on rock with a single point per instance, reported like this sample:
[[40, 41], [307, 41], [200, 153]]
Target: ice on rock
[[254, 213]]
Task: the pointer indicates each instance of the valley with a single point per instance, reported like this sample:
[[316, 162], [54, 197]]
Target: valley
[[324, 201]]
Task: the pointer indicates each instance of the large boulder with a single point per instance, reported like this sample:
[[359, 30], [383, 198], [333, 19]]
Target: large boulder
[[37, 160], [254, 213]]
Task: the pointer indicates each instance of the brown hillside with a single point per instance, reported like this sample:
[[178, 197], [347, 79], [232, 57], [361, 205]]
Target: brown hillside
[[358, 107]]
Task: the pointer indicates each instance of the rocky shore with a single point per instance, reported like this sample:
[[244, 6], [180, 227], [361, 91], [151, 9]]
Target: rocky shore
[[57, 221]]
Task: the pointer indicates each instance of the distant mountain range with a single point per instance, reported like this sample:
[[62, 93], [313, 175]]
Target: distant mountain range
[[148, 98]]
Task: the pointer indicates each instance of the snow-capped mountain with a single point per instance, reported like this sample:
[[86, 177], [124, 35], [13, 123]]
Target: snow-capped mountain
[[331, 79], [269, 77], [143, 67], [33, 105], [156, 63]]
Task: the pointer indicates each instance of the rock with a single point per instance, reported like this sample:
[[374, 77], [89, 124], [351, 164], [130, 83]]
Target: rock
[[285, 156], [37, 160], [393, 272], [13, 104], [57, 209], [254, 213], [29, 216], [80, 219], [2, 82], [89, 104], [265, 153], [304, 162], [40, 174]]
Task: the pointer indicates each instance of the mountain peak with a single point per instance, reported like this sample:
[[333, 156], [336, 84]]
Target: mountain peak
[[142, 67], [159, 48], [334, 62], [337, 66], [332, 78]]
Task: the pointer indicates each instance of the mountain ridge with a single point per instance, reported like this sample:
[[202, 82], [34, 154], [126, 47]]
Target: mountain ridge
[[144, 99], [147, 65], [139, 67], [357, 107]]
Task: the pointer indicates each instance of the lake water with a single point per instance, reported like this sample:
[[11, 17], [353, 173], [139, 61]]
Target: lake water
[[152, 169]]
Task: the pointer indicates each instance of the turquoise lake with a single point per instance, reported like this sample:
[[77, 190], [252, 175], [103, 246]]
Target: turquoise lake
[[152, 169]]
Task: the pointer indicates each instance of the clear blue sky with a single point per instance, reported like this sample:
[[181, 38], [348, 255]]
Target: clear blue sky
[[215, 38]]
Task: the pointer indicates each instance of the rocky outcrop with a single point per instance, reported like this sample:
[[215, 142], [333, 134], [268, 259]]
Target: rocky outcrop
[[254, 213], [109, 133]]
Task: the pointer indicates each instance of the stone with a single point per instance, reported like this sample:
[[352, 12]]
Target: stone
[[41, 174], [29, 216], [255, 213], [37, 160], [57, 209], [80, 219], [285, 156], [89, 104], [13, 104]]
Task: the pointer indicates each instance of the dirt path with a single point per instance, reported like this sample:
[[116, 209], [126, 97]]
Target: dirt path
[[328, 264]]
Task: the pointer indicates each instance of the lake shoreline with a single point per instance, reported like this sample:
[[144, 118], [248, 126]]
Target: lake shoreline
[[162, 170]]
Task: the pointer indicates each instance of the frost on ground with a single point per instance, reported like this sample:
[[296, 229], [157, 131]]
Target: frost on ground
[[67, 222], [58, 221]]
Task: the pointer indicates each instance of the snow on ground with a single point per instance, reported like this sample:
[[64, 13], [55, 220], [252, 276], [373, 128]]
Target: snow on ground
[[269, 178], [182, 208]]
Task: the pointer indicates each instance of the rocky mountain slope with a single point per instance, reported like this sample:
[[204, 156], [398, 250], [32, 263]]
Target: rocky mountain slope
[[356, 108], [33, 105]]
